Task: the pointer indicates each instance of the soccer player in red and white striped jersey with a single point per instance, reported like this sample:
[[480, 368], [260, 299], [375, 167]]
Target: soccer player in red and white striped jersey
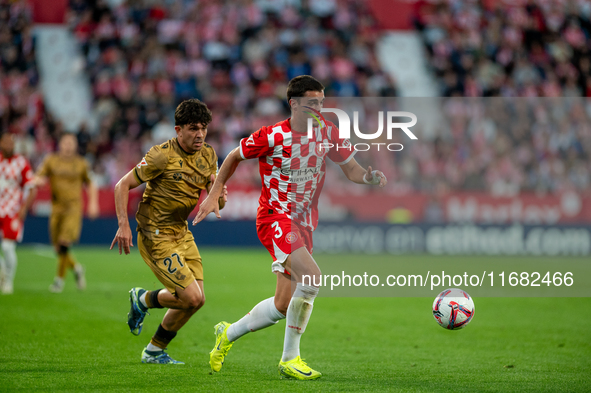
[[17, 194], [292, 168]]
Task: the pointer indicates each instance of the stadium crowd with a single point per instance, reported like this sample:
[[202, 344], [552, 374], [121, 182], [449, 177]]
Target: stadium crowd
[[21, 101], [539, 49], [144, 57]]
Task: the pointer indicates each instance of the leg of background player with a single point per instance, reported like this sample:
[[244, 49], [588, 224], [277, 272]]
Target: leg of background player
[[70, 263], [78, 271], [55, 225], [62, 266], [65, 262], [2, 270], [10, 262]]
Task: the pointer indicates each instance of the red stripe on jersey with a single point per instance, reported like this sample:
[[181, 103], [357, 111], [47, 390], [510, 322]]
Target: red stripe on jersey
[[292, 167]]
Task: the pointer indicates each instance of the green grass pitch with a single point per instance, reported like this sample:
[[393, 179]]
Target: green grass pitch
[[78, 341]]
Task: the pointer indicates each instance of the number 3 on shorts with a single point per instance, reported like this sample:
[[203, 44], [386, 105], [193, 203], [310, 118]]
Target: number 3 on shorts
[[168, 263], [278, 231]]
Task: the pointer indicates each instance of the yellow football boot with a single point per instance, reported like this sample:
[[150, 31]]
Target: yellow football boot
[[298, 369], [221, 348]]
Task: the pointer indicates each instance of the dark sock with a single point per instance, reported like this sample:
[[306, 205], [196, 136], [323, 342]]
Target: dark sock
[[162, 337], [152, 299]]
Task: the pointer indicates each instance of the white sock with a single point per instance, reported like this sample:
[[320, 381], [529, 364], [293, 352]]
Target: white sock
[[298, 315], [10, 262], [152, 348], [143, 299], [261, 316]]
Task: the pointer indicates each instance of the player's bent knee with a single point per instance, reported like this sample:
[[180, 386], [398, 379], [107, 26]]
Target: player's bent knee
[[62, 249], [315, 271], [194, 302]]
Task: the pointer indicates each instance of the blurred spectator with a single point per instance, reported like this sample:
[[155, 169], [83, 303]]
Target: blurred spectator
[[22, 111]]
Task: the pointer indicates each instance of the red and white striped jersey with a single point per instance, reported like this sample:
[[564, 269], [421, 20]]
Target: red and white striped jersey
[[15, 175], [292, 167]]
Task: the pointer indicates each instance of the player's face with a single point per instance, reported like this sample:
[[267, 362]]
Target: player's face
[[311, 99], [7, 144], [191, 136], [68, 145]]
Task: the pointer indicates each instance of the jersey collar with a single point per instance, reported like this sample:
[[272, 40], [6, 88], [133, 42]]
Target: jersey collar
[[288, 126], [183, 150]]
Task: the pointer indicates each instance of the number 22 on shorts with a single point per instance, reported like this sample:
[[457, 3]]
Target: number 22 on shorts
[[278, 231], [168, 263]]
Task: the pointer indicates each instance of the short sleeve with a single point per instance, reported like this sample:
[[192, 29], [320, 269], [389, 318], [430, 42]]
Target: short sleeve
[[45, 168], [214, 165], [27, 175], [151, 166], [345, 151], [256, 145]]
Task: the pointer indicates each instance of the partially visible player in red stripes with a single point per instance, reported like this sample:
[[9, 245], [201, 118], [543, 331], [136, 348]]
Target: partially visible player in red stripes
[[292, 169], [17, 194]]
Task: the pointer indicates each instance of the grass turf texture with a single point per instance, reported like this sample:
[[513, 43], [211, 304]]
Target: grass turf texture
[[80, 341]]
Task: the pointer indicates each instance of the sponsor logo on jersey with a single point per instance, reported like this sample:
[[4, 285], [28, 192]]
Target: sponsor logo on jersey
[[301, 175], [291, 237], [181, 163], [250, 141], [191, 179], [142, 163]]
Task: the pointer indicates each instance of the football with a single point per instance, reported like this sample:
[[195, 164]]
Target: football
[[453, 309]]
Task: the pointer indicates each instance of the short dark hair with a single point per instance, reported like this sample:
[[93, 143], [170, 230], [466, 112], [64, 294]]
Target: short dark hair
[[192, 111], [299, 85]]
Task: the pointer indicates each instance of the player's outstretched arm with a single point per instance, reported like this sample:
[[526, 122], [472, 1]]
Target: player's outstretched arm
[[123, 236], [222, 199], [93, 204], [357, 174], [31, 194], [40, 180], [211, 203]]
